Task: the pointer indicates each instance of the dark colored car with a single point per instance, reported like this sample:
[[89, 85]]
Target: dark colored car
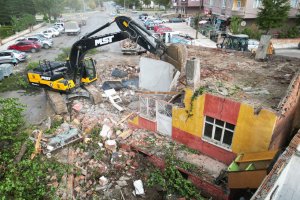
[[26, 45], [176, 20]]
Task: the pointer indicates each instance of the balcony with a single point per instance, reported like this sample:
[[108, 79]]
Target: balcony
[[238, 11]]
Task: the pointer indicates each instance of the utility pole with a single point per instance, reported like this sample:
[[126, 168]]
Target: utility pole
[[83, 2], [124, 5]]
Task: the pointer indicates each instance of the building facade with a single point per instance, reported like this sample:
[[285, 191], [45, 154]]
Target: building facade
[[224, 9], [246, 9], [187, 7]]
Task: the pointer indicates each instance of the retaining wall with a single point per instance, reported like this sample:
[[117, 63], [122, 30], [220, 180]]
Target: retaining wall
[[15, 36]]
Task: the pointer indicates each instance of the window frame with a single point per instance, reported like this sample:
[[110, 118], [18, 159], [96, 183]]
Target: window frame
[[211, 139], [223, 4]]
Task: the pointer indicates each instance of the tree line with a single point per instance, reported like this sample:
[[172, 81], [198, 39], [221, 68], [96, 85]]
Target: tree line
[[11, 9], [138, 3]]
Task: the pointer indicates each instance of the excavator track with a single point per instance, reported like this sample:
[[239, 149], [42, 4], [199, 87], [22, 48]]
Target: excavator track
[[57, 102], [95, 95]]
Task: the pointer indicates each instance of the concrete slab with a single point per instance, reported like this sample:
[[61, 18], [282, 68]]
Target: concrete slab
[[209, 165], [155, 75]]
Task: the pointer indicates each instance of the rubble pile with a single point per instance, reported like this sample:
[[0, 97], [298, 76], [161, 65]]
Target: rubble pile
[[128, 44], [238, 75]]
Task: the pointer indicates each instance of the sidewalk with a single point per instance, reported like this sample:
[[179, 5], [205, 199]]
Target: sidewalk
[[185, 29]]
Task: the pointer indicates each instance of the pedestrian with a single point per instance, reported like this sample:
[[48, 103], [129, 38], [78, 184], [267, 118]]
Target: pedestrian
[[270, 50]]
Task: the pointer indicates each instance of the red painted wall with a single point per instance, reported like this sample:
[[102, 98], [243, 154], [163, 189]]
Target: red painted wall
[[208, 188], [204, 147], [147, 124], [289, 119], [221, 108]]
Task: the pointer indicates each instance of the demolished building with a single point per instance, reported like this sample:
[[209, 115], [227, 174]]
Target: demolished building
[[242, 112]]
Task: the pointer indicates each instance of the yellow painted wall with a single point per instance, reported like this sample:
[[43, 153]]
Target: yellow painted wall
[[193, 124], [253, 132], [134, 121]]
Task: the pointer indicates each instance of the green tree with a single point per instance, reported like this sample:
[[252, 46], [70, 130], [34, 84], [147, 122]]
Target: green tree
[[23, 22], [4, 14], [272, 14], [165, 3], [91, 4], [50, 8], [147, 2], [235, 25]]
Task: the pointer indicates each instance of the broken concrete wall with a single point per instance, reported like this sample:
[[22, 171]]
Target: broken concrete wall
[[155, 75], [289, 119]]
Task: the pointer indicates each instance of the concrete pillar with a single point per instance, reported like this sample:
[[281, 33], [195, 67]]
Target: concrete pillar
[[193, 73], [261, 52]]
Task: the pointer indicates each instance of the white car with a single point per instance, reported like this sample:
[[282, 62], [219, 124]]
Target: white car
[[60, 24], [157, 21], [45, 35], [252, 44], [59, 28], [51, 31]]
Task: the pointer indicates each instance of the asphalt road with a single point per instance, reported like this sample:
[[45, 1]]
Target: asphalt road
[[288, 52]]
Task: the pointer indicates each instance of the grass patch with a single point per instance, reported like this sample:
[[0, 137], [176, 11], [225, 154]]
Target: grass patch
[[17, 82], [64, 55]]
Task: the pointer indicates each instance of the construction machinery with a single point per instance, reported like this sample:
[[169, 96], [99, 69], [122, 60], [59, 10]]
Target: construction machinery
[[80, 71]]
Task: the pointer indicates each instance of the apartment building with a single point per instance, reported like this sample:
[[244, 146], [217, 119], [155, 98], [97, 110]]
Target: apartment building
[[223, 9], [188, 7], [246, 9]]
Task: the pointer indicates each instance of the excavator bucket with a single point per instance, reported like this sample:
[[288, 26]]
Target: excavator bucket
[[176, 54]]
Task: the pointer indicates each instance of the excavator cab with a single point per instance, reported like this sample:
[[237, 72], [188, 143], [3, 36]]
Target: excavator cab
[[88, 71]]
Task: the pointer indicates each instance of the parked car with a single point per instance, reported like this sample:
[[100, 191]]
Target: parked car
[[72, 28], [44, 42], [157, 21], [160, 26], [26, 45], [44, 35], [59, 28], [59, 24], [176, 20], [51, 31], [252, 44], [164, 20], [163, 30], [142, 15], [8, 56]]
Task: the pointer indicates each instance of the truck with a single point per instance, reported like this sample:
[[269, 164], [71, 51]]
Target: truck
[[72, 28]]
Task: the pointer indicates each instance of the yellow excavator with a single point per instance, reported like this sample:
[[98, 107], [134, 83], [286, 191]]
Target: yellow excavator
[[79, 71]]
